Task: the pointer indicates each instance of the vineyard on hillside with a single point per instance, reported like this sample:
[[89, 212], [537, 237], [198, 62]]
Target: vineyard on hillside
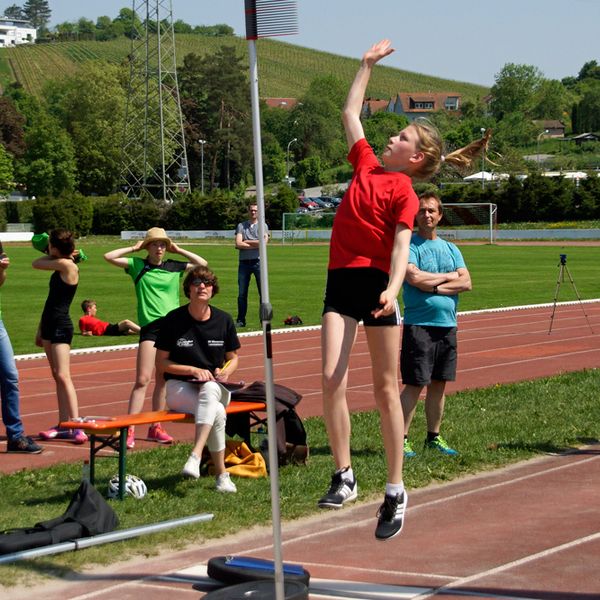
[[286, 70]]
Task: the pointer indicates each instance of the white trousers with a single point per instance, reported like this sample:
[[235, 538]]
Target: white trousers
[[207, 401]]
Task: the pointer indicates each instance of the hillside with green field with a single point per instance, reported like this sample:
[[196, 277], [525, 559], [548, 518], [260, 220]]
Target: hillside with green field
[[286, 70]]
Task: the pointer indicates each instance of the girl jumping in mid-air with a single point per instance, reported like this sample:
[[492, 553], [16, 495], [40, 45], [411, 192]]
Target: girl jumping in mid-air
[[367, 262]]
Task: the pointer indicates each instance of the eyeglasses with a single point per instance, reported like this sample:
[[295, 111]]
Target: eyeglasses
[[253, 209], [205, 280]]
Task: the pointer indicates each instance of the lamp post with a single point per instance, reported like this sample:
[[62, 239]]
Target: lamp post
[[202, 142], [482, 161], [538, 145], [287, 161]]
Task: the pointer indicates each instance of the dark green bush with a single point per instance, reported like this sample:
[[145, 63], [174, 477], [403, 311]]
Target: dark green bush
[[74, 212]]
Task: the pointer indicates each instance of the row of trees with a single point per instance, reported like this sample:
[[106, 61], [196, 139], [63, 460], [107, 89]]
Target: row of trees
[[69, 140], [37, 12], [521, 93], [537, 198], [110, 215], [127, 23]]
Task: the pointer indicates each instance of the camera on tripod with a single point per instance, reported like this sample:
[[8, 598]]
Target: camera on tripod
[[563, 259]]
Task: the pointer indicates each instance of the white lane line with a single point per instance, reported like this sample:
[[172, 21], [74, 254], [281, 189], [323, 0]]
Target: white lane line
[[515, 563]]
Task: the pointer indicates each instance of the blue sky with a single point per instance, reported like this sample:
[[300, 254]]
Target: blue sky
[[465, 40]]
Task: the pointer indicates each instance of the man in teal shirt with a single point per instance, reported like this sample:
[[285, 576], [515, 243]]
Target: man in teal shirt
[[436, 274]]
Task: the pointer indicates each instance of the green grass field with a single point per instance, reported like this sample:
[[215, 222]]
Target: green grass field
[[491, 427], [502, 276]]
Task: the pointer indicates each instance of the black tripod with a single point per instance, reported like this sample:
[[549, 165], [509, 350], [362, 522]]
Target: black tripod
[[562, 267]]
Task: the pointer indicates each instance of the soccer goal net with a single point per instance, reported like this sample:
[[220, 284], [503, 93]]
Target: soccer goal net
[[308, 226], [474, 221]]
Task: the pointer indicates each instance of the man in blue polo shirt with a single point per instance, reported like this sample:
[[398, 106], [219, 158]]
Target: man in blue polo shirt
[[436, 274]]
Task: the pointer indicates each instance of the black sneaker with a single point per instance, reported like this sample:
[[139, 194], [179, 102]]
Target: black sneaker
[[391, 516], [340, 491], [240, 324], [23, 445]]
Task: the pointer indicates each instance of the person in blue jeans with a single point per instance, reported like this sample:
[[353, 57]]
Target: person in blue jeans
[[247, 242], [17, 441]]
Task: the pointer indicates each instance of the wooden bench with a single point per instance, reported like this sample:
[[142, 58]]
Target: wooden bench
[[111, 432]]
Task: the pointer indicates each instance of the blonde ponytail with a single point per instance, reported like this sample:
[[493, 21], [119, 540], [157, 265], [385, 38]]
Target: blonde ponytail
[[431, 145]]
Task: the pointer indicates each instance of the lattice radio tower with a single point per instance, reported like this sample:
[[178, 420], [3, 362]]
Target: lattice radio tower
[[154, 156]]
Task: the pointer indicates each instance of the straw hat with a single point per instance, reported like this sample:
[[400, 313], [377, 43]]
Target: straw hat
[[156, 234]]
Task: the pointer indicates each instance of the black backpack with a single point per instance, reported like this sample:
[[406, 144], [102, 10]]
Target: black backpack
[[292, 446], [87, 514]]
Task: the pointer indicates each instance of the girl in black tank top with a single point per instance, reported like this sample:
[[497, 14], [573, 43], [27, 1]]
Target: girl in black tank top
[[56, 324], [55, 332]]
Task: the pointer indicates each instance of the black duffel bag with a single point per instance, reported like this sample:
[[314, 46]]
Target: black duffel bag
[[87, 514]]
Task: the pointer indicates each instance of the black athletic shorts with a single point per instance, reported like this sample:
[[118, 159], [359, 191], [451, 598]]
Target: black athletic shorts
[[428, 353], [355, 293], [57, 331], [149, 332], [113, 329]]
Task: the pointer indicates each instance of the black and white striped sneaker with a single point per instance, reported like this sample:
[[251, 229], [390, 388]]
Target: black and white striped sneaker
[[340, 491], [390, 516]]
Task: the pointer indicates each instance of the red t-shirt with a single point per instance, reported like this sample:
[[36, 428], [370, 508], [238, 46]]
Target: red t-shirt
[[374, 204], [89, 323]]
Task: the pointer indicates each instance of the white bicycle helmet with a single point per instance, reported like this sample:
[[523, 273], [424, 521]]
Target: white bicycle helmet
[[134, 486]]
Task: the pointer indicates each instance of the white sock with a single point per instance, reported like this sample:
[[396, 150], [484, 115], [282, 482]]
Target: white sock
[[348, 475], [394, 489]]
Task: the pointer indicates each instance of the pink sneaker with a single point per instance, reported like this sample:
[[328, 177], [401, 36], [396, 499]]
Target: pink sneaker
[[157, 434], [130, 438], [78, 436], [55, 433]]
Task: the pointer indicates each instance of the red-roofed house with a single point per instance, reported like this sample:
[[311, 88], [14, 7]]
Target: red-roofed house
[[286, 103], [413, 105], [420, 104]]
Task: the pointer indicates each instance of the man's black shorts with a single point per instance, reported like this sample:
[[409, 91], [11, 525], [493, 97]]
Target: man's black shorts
[[355, 293], [428, 353]]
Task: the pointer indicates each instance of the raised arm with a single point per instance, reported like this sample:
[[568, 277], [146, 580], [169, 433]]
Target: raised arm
[[194, 260], [67, 268], [356, 95], [4, 264], [117, 257]]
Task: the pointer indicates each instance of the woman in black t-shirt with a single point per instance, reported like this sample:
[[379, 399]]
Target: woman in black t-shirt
[[196, 350]]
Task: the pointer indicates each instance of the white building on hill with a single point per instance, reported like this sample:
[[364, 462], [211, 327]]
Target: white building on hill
[[16, 31]]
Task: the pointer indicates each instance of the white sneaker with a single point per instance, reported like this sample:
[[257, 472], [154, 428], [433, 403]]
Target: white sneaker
[[224, 484], [192, 467]]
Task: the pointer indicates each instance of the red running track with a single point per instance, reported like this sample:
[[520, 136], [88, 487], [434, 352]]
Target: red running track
[[494, 347], [526, 532]]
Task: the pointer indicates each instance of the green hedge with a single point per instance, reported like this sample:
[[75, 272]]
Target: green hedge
[[537, 198]]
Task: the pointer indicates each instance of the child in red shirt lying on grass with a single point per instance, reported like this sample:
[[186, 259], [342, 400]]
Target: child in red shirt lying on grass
[[90, 325]]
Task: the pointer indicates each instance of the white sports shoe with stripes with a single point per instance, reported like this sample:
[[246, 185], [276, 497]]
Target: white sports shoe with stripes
[[341, 491]]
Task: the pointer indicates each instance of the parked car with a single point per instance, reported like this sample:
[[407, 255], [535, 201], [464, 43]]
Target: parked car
[[322, 203], [334, 201], [309, 204]]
